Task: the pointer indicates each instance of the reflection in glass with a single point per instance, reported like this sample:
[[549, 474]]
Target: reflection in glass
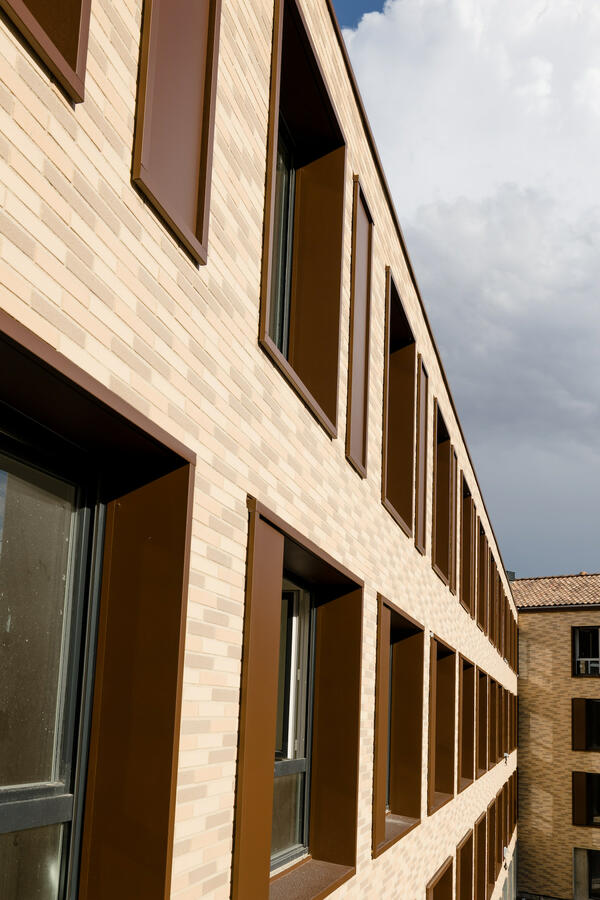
[[30, 863], [283, 223], [37, 517], [287, 829]]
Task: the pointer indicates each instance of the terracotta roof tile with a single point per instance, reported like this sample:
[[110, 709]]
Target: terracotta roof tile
[[557, 590]]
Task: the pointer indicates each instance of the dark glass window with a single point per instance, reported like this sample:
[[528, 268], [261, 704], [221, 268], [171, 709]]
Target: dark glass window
[[289, 837], [594, 874], [283, 229], [586, 652], [45, 540]]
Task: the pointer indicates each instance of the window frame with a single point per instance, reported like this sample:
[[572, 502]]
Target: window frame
[[436, 799], [327, 419], [440, 886], [71, 78], [421, 451], [574, 651], [464, 879]]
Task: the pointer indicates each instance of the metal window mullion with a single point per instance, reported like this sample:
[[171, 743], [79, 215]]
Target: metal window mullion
[[35, 813]]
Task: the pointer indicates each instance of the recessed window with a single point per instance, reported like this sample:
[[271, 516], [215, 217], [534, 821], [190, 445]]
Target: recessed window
[[483, 564], [303, 233], [493, 724], [360, 315], [593, 858], [482, 722], [421, 457], [398, 411], [444, 502], [586, 799], [466, 723], [586, 724], [398, 727], [491, 848], [479, 864], [59, 35], [440, 886], [172, 154], [297, 794], [464, 868], [586, 652], [442, 724], [467, 548]]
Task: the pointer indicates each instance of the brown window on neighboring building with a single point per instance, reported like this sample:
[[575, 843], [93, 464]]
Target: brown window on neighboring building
[[464, 868], [58, 33], [440, 886], [422, 445], [398, 411], [172, 152], [360, 313], [482, 579], [466, 724], [479, 892], [503, 721], [398, 726], [482, 722], [467, 548], [444, 503], [304, 221], [442, 724], [296, 792], [586, 651], [492, 724], [491, 847], [498, 832], [585, 724]]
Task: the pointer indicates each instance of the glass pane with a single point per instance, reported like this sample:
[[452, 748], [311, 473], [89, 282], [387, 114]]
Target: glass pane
[[283, 689], [288, 802], [282, 240], [593, 787], [594, 870], [30, 863], [36, 517], [592, 709]]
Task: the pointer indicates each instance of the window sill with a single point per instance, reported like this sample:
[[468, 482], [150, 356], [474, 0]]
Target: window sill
[[311, 879], [441, 575], [480, 772], [464, 783], [395, 828], [438, 800], [396, 516], [291, 376]]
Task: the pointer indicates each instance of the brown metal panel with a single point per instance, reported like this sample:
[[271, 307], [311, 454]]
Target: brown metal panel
[[382, 687], [440, 886], [399, 437], [406, 727], [360, 315], [445, 723], [442, 507], [58, 33], [421, 457], [467, 516], [579, 740], [480, 861], [483, 557], [175, 114], [258, 710], [498, 834], [317, 278], [453, 519], [130, 795], [466, 724], [336, 724], [492, 723], [482, 722], [464, 868]]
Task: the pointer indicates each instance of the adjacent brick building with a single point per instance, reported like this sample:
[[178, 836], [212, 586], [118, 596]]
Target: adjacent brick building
[[256, 636], [559, 736]]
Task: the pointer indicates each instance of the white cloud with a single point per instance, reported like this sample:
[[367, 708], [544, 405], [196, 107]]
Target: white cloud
[[487, 117]]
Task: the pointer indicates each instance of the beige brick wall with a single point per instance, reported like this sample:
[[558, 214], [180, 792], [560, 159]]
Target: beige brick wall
[[88, 267], [546, 833]]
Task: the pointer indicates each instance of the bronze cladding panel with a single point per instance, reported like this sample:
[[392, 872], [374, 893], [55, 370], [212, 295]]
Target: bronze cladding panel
[[421, 475], [358, 366], [442, 510], [479, 865], [578, 724], [580, 799], [482, 721], [407, 726], [464, 869], [492, 723], [498, 833], [336, 725], [382, 684], [399, 440], [175, 114], [58, 32], [445, 723], [467, 720], [482, 582], [453, 518], [440, 886], [317, 277], [258, 710], [130, 796]]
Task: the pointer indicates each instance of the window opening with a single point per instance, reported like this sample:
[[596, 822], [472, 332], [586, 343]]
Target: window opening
[[586, 648]]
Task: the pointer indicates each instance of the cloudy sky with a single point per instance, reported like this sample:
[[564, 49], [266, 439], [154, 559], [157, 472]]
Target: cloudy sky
[[487, 117]]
